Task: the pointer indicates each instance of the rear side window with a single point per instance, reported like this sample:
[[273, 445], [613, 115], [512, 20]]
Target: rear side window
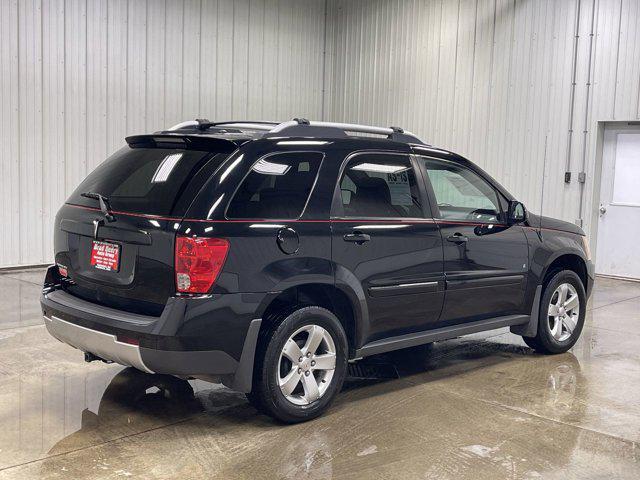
[[277, 186], [144, 180], [380, 185]]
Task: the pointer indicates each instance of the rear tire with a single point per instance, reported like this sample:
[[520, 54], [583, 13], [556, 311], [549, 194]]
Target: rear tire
[[301, 363], [561, 316]]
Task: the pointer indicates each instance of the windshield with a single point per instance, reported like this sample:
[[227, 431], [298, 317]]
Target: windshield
[[145, 180]]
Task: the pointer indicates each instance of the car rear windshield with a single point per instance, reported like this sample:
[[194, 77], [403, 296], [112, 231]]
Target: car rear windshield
[[145, 180]]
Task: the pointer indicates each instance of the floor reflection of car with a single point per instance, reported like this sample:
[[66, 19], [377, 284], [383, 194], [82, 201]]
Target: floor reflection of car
[[132, 402], [136, 401]]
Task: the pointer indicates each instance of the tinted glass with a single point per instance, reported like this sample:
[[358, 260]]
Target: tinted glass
[[277, 187], [462, 194], [143, 180], [380, 186]]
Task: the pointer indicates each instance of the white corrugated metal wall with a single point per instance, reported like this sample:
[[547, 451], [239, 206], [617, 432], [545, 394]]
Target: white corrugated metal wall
[[77, 76], [492, 80]]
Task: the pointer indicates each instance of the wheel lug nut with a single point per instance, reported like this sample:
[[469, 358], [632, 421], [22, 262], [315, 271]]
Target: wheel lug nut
[[300, 359], [299, 370], [308, 354], [307, 373], [313, 364]]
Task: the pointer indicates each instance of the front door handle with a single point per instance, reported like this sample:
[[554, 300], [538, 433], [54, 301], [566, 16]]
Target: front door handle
[[457, 238], [357, 237]]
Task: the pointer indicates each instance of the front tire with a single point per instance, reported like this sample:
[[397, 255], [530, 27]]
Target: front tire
[[301, 363], [563, 308]]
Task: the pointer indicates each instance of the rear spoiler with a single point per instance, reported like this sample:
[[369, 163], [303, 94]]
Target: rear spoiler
[[187, 142]]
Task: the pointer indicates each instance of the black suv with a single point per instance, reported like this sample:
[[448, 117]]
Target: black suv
[[267, 256]]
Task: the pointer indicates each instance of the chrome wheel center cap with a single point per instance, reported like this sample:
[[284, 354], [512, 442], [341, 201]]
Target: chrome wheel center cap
[[305, 363]]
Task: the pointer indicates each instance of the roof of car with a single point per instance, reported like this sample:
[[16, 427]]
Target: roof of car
[[226, 136]]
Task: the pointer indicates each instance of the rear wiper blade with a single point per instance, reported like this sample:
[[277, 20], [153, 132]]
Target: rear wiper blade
[[105, 206]]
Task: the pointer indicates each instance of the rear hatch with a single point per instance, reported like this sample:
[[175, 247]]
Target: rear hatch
[[124, 258]]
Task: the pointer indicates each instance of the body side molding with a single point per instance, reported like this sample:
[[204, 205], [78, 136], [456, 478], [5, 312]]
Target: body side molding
[[443, 333]]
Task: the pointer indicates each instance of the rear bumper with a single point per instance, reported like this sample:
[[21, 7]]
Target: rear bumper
[[212, 337], [101, 344], [205, 363]]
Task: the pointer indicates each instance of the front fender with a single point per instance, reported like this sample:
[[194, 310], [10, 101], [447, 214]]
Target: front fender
[[551, 246]]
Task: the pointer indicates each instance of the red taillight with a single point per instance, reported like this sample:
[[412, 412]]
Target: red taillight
[[198, 262]]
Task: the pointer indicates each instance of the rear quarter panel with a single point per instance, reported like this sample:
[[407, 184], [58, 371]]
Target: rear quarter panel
[[255, 262]]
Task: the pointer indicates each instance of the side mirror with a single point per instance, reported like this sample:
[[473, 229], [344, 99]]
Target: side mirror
[[517, 212]]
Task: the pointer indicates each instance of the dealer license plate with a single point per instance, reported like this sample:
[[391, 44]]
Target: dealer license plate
[[105, 256]]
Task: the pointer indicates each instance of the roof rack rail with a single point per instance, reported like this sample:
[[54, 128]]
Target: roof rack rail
[[201, 124], [301, 127], [304, 127]]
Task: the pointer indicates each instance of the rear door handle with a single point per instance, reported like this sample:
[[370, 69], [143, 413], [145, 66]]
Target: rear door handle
[[357, 237], [457, 238]]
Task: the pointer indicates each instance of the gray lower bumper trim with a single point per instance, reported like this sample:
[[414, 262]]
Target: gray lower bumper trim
[[101, 344]]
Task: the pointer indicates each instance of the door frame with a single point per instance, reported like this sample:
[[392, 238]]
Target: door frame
[[337, 209], [337, 215], [596, 185]]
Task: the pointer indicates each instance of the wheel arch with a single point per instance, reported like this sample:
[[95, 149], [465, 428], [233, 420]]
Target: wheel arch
[[342, 301], [567, 261]]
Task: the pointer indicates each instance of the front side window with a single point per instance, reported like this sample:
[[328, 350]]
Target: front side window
[[277, 186], [380, 185], [462, 194]]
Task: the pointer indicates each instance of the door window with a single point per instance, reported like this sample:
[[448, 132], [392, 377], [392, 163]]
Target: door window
[[627, 170], [277, 187], [461, 194], [380, 185]]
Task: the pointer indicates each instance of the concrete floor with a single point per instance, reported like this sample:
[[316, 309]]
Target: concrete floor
[[482, 407]]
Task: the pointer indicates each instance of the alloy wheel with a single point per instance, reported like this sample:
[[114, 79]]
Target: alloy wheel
[[307, 364], [564, 312]]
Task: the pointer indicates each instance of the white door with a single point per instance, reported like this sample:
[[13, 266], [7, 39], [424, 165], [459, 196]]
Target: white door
[[619, 216]]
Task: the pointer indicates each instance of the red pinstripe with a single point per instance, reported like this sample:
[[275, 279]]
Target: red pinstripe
[[336, 220]]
